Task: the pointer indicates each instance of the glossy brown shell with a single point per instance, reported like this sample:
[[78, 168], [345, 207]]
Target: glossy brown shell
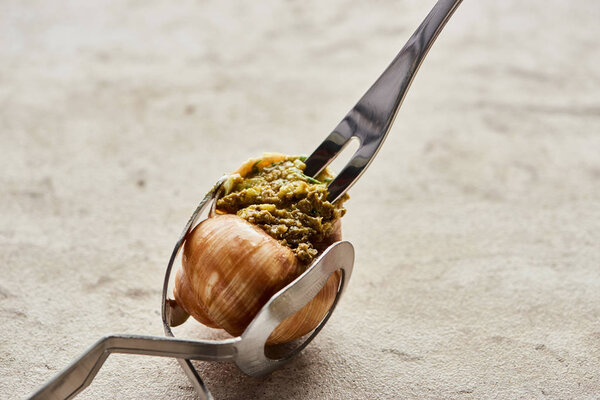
[[231, 268]]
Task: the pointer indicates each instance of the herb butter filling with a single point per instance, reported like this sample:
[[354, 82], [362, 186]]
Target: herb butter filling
[[288, 205]]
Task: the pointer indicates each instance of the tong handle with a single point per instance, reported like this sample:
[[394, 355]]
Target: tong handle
[[77, 376]]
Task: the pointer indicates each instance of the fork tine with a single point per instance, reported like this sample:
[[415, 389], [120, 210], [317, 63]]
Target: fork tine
[[371, 118], [351, 172], [369, 128], [328, 150]]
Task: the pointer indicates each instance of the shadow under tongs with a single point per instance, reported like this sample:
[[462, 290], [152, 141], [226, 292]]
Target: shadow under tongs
[[226, 381], [277, 351]]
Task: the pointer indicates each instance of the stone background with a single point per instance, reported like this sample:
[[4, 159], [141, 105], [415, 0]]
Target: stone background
[[477, 228]]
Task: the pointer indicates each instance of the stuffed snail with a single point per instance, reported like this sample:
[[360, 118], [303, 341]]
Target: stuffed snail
[[269, 224]]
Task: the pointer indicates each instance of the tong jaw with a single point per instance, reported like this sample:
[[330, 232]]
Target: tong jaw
[[251, 357]]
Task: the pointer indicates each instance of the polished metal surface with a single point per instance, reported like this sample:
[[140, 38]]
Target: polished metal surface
[[82, 371], [371, 118], [251, 357]]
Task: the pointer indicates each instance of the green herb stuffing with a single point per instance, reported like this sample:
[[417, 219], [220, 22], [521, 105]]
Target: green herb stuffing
[[288, 205]]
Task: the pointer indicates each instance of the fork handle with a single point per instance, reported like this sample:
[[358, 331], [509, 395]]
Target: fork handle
[[77, 376], [371, 118]]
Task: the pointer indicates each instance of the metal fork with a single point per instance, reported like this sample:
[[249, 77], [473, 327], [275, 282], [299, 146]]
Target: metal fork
[[369, 121], [372, 117]]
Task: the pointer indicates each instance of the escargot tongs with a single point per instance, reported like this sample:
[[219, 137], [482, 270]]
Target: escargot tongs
[[369, 121]]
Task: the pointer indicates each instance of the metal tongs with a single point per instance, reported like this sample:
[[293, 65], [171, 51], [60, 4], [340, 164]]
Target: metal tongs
[[369, 121]]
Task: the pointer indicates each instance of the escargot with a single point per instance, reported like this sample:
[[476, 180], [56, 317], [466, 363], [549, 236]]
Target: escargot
[[269, 224]]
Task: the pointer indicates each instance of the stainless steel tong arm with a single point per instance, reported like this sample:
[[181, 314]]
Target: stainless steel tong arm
[[82, 371], [371, 118]]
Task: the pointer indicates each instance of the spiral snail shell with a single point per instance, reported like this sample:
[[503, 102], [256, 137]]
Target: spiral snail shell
[[258, 240]]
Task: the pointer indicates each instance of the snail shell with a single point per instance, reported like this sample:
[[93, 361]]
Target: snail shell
[[231, 268]]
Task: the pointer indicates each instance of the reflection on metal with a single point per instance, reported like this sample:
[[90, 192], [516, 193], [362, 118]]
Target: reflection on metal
[[372, 117]]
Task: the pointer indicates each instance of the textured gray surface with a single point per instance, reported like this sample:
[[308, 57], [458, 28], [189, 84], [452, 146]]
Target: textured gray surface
[[476, 229]]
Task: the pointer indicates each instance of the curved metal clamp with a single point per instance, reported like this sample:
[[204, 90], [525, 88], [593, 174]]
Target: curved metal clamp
[[249, 348]]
